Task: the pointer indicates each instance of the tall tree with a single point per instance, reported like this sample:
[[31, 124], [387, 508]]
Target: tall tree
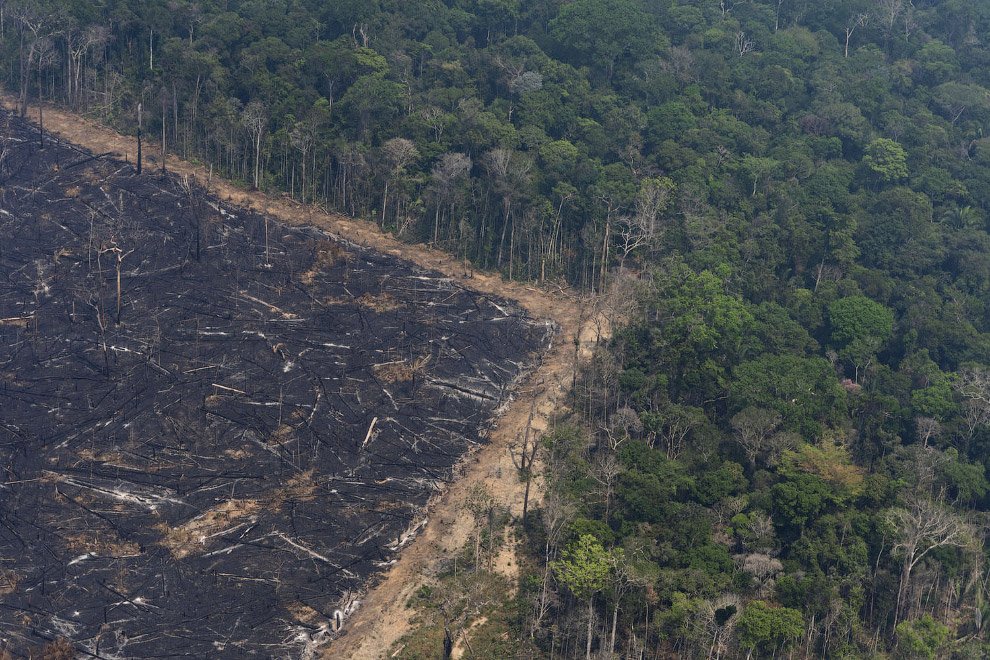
[[585, 570]]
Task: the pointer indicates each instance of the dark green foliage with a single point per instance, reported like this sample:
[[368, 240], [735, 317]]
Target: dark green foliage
[[804, 391], [765, 628]]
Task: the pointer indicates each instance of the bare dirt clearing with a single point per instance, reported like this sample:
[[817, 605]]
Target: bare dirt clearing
[[383, 618]]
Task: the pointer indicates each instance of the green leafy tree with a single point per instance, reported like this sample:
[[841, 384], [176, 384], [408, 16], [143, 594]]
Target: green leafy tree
[[856, 317], [799, 500], [887, 160], [765, 629], [859, 328], [921, 639], [804, 391], [585, 570]]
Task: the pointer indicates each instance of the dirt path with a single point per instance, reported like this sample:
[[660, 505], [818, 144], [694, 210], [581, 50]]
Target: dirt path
[[383, 616]]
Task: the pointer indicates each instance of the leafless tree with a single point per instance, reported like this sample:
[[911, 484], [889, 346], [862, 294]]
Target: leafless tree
[[743, 43], [679, 63], [974, 383], [718, 619], [887, 12], [600, 387], [120, 255], [725, 509], [778, 443], [620, 303], [302, 138], [255, 118], [761, 525], [623, 424], [47, 57], [763, 567], [398, 153], [605, 471], [5, 142], [975, 414], [445, 174], [462, 599], [78, 44], [676, 425], [753, 429], [927, 429], [434, 117], [485, 509], [509, 173], [556, 515], [624, 577], [859, 20], [910, 21], [643, 227], [922, 526]]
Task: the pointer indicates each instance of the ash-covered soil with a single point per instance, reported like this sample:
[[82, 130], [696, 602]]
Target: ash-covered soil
[[214, 427]]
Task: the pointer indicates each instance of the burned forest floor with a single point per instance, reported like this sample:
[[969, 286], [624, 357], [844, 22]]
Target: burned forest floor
[[214, 425]]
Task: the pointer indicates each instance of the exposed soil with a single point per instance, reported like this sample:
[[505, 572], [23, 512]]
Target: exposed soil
[[382, 616]]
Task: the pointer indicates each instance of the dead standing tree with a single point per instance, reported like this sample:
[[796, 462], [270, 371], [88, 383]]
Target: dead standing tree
[[255, 118], [164, 97], [445, 174], [398, 153], [47, 56], [753, 429], [78, 43], [974, 384], [510, 177], [643, 228], [922, 526], [303, 138], [140, 122], [120, 256]]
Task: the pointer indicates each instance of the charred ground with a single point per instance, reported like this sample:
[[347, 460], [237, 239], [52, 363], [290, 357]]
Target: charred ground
[[214, 427]]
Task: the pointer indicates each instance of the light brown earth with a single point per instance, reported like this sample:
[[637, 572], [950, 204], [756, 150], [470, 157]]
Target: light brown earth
[[383, 616]]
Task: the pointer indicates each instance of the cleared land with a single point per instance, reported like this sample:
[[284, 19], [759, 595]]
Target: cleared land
[[215, 426]]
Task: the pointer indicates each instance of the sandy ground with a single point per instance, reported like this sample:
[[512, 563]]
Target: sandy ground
[[383, 616]]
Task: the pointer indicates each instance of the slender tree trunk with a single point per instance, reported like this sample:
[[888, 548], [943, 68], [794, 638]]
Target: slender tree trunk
[[163, 131], [512, 244], [591, 618], [175, 116], [139, 140], [25, 76], [119, 263], [902, 590], [615, 620], [384, 203], [257, 157], [608, 229], [501, 243], [41, 113]]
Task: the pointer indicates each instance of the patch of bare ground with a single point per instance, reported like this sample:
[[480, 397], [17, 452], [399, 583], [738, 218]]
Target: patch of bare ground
[[196, 535], [383, 616]]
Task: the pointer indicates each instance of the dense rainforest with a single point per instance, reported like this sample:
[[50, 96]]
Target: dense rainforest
[[780, 205]]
